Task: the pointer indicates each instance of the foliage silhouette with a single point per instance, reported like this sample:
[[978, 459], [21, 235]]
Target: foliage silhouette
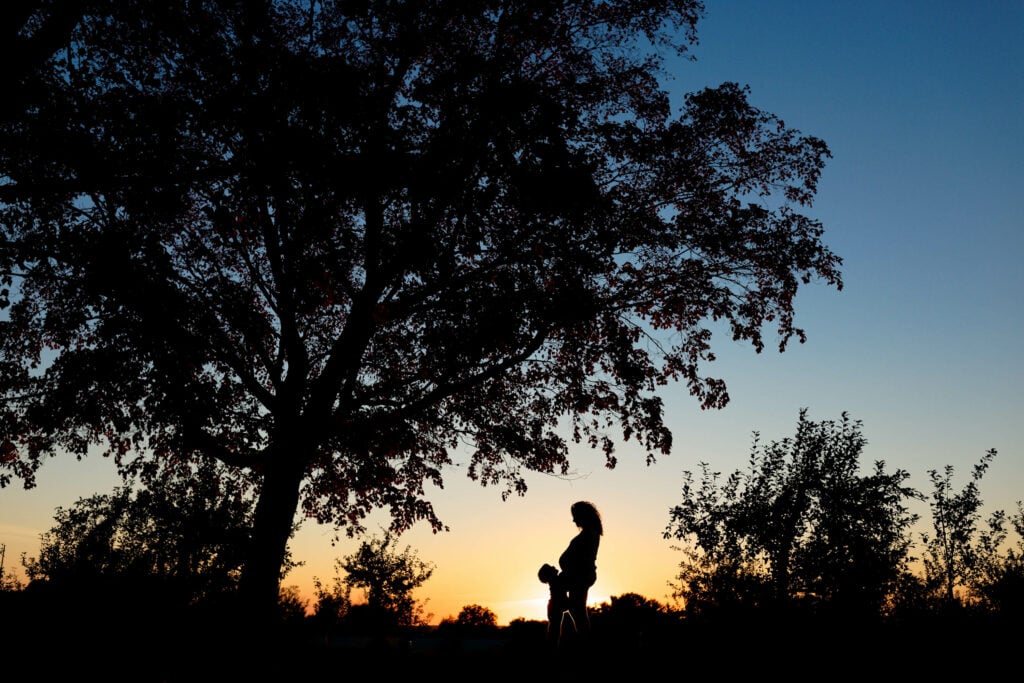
[[999, 578], [632, 621], [32, 31], [953, 550], [186, 534], [332, 601], [313, 242], [387, 576], [472, 621], [477, 617], [800, 527]]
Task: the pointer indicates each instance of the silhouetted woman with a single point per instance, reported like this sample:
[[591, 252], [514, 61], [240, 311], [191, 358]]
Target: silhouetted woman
[[578, 572]]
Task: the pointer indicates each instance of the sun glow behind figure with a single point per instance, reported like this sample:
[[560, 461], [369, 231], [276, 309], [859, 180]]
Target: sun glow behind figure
[[534, 609]]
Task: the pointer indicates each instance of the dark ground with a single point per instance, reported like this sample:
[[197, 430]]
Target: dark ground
[[83, 641], [719, 653]]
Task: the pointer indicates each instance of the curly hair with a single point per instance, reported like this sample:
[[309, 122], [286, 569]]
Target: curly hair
[[587, 516]]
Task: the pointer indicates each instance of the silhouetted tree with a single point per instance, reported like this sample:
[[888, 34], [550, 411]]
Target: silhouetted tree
[[951, 551], [859, 543], [471, 621], [999, 575], [477, 617], [31, 31], [292, 606], [800, 522], [722, 570], [185, 535], [332, 601], [388, 577], [522, 630], [631, 621], [330, 242], [9, 581]]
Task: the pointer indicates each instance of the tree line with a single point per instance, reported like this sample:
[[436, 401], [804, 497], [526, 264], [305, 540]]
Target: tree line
[[804, 529], [805, 532]]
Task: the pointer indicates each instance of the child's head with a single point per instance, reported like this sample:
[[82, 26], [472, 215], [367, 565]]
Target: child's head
[[547, 573]]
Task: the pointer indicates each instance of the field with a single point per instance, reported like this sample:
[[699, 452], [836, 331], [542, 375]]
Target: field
[[724, 651]]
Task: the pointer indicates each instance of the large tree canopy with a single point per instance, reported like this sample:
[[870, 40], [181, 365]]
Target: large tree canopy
[[329, 242]]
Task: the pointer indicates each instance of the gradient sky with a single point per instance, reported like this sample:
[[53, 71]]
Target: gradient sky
[[921, 103]]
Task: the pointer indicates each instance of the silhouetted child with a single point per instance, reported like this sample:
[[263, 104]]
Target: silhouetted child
[[557, 602], [549, 574]]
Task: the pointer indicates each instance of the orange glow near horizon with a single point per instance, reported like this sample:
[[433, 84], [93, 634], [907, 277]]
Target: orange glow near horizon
[[489, 557], [494, 548]]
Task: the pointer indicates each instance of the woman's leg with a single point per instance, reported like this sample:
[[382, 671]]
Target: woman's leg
[[577, 606]]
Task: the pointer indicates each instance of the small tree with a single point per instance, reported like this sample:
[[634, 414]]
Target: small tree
[[999, 578], [633, 620], [721, 570], [472, 620], [951, 553], [388, 578], [291, 605], [332, 601], [857, 551], [10, 582], [800, 523], [189, 531], [477, 617]]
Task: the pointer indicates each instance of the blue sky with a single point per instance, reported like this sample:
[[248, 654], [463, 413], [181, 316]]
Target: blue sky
[[922, 105]]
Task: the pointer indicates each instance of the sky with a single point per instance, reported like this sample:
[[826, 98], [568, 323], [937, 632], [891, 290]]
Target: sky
[[921, 103]]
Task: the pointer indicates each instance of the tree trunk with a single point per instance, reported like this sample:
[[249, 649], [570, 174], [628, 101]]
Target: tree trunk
[[272, 527]]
